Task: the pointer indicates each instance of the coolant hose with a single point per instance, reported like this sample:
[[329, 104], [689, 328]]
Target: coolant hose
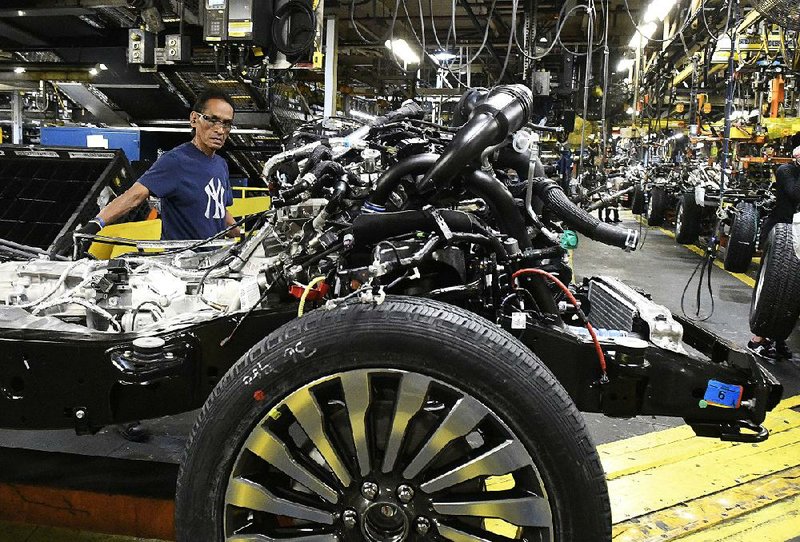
[[511, 222], [520, 162], [504, 111], [502, 204], [557, 201], [388, 181]]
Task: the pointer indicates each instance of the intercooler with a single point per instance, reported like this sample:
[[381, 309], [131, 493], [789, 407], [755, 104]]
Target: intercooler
[[615, 305]]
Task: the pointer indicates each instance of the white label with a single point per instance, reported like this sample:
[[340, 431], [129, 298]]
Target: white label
[[37, 154], [518, 320], [94, 155], [97, 141], [249, 293]]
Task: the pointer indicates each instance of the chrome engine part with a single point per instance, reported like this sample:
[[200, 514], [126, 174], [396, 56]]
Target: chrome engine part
[[615, 305]]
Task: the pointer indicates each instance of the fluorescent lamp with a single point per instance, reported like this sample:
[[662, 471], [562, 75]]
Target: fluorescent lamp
[[624, 64], [443, 56], [642, 35], [658, 10], [400, 48], [19, 69]]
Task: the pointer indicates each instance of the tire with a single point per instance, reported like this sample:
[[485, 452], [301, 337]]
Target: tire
[[742, 240], [776, 297], [688, 217], [656, 207], [447, 366], [637, 200]]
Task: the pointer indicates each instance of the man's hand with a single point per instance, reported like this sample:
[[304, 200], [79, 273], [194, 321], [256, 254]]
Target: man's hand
[[63, 245]]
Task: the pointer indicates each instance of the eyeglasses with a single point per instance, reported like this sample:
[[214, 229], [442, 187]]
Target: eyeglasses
[[216, 121]]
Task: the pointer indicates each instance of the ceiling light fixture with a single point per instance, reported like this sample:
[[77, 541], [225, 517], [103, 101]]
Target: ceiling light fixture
[[19, 69], [400, 48], [624, 64], [642, 35], [658, 10], [443, 56], [93, 71], [543, 39]]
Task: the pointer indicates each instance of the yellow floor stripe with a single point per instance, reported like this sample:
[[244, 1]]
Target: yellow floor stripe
[[619, 465], [660, 488], [779, 522], [701, 252], [710, 513], [672, 436], [649, 475]]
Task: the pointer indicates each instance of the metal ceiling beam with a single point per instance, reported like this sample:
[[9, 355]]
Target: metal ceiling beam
[[13, 33], [480, 27], [78, 93]]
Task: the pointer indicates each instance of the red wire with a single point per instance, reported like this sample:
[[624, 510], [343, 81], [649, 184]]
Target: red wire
[[562, 286]]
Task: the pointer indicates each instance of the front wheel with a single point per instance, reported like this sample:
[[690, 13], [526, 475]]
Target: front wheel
[[776, 297], [742, 239], [409, 420], [688, 217], [656, 206]]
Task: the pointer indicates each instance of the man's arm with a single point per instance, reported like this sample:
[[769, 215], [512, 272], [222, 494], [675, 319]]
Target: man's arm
[[229, 221], [124, 203]]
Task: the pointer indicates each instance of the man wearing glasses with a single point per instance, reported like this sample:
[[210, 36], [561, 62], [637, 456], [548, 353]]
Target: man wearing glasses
[[192, 183], [191, 180]]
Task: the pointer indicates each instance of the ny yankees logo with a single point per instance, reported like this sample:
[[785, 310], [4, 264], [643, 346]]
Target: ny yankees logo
[[216, 193]]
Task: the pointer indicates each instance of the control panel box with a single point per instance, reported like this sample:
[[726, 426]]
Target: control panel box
[[215, 20]]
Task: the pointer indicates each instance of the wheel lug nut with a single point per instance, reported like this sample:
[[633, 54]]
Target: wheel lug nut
[[388, 510], [405, 493], [349, 518], [423, 525], [369, 490]]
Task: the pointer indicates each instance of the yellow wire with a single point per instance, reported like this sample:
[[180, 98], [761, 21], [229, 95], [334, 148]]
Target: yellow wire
[[307, 289]]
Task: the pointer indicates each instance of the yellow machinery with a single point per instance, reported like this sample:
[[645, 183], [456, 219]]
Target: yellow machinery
[[246, 201]]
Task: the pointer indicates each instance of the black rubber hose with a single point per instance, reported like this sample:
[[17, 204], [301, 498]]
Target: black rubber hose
[[557, 201], [418, 164], [319, 154], [466, 105], [369, 229], [339, 192], [519, 162], [504, 111], [320, 170], [409, 109], [502, 204]]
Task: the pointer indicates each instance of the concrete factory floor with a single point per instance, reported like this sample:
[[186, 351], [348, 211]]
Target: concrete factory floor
[[665, 484]]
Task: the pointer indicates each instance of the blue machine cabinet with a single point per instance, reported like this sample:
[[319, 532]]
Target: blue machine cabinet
[[83, 136]]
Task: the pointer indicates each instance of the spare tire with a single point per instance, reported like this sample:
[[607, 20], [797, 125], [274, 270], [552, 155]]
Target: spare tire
[[742, 240], [390, 422], [776, 297], [688, 216], [657, 206]]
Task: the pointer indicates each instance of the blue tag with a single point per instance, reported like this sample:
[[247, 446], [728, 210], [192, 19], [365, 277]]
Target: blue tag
[[720, 394]]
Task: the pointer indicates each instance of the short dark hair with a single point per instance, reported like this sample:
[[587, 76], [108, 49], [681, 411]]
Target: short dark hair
[[211, 93]]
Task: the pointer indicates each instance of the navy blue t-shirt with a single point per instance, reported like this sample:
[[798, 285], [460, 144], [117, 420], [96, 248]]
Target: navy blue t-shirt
[[194, 190]]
